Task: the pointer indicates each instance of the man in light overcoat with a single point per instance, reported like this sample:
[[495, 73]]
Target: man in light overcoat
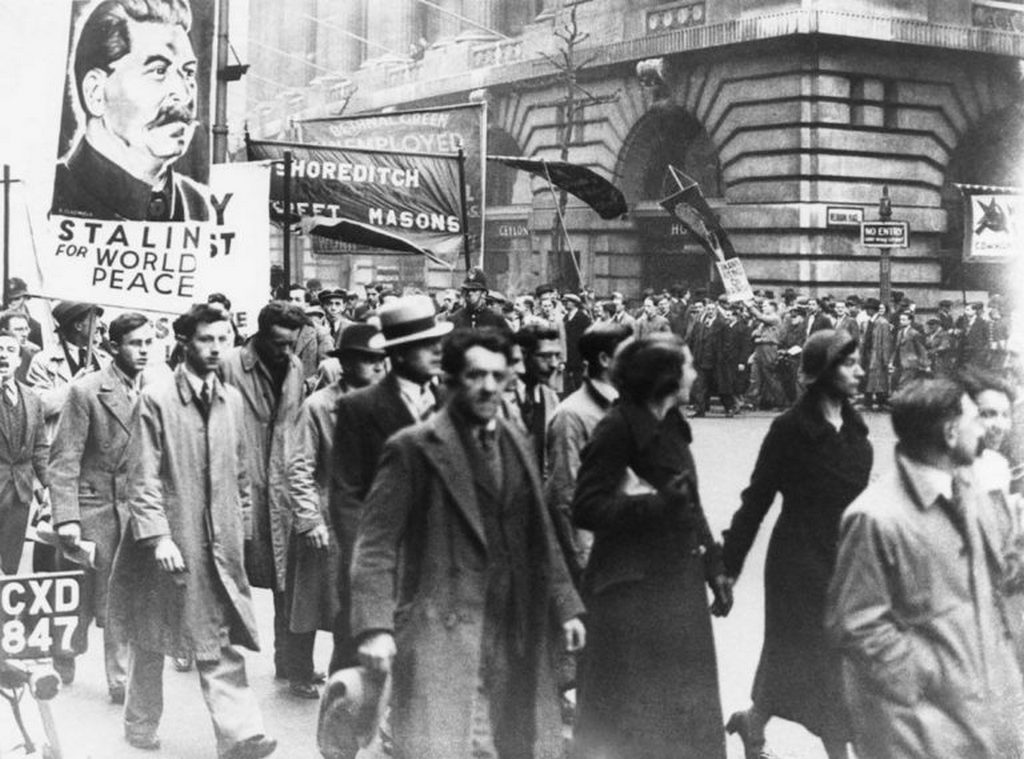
[[89, 471], [270, 378], [929, 667], [179, 582]]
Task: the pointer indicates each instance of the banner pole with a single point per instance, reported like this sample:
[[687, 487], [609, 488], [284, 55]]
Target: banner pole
[[561, 223], [7, 231], [462, 208], [286, 231]]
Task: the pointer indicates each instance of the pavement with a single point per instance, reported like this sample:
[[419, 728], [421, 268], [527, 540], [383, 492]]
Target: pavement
[[725, 450]]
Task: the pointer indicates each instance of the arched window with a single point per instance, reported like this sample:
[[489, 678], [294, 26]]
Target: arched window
[[662, 138], [501, 179]]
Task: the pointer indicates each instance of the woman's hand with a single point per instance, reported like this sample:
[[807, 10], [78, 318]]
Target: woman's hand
[[721, 587]]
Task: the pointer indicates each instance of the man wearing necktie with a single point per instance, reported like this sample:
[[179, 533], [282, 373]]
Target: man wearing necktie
[[366, 418], [24, 452], [535, 400], [928, 664], [457, 579], [89, 476], [179, 583]]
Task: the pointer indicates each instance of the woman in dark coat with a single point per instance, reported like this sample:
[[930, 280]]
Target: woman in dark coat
[[818, 456], [648, 681]]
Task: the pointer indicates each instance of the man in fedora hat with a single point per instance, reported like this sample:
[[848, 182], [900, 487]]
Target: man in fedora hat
[[458, 586], [475, 314], [411, 337], [314, 555], [16, 300]]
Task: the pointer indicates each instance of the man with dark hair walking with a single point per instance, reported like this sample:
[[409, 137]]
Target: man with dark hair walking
[[929, 666], [178, 583], [411, 337], [270, 378], [89, 469], [457, 584]]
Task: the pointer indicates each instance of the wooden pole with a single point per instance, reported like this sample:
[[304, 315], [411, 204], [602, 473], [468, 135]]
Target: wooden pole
[[463, 210], [286, 225]]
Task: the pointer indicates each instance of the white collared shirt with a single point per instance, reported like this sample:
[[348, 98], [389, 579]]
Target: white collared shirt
[[418, 398]]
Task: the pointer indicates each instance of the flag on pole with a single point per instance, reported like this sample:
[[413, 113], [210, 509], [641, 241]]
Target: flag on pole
[[689, 206]]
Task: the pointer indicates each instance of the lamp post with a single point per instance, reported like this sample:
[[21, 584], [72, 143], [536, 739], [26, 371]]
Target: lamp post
[[885, 254]]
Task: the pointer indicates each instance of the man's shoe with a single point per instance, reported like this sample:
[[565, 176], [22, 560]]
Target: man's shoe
[[303, 689], [144, 742], [117, 694], [182, 663], [318, 678], [65, 667], [256, 747]]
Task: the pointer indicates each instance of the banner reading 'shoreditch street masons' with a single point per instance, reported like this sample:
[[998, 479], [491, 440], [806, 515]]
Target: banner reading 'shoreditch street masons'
[[415, 196], [427, 130]]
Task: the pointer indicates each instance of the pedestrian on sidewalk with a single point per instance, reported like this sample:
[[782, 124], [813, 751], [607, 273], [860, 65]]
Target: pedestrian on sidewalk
[[818, 457]]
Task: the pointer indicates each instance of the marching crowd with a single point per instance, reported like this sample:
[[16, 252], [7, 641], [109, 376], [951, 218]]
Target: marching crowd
[[490, 502]]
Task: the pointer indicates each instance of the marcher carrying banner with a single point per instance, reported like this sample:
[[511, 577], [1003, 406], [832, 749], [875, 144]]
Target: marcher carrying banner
[[689, 206]]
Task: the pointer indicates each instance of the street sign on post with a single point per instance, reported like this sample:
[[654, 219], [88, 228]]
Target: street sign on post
[[884, 234]]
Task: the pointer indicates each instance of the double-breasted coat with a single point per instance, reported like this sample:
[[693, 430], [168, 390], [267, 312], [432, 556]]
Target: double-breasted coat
[[929, 667], [187, 480], [876, 354], [420, 569], [269, 426], [24, 458], [818, 471], [89, 469]]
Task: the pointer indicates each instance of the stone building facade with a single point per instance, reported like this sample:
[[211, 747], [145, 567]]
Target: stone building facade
[[782, 109]]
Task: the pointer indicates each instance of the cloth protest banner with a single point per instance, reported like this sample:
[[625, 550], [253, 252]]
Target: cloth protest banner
[[590, 187], [425, 130], [415, 196], [689, 206], [346, 230], [993, 232], [734, 279]]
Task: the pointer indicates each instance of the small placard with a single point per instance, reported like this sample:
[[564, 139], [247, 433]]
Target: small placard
[[734, 278], [843, 216]]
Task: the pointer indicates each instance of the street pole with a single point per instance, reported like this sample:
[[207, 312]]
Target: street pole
[[286, 224], [220, 119], [7, 231], [885, 254]]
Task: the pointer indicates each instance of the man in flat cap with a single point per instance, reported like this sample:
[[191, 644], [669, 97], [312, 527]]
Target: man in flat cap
[[576, 323]]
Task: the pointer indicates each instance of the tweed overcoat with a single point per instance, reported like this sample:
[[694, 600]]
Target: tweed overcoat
[[187, 480], [419, 569], [270, 432], [876, 353], [89, 468]]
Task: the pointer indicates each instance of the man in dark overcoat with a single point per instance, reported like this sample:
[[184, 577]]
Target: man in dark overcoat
[[179, 582], [89, 470], [366, 418], [458, 587]]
